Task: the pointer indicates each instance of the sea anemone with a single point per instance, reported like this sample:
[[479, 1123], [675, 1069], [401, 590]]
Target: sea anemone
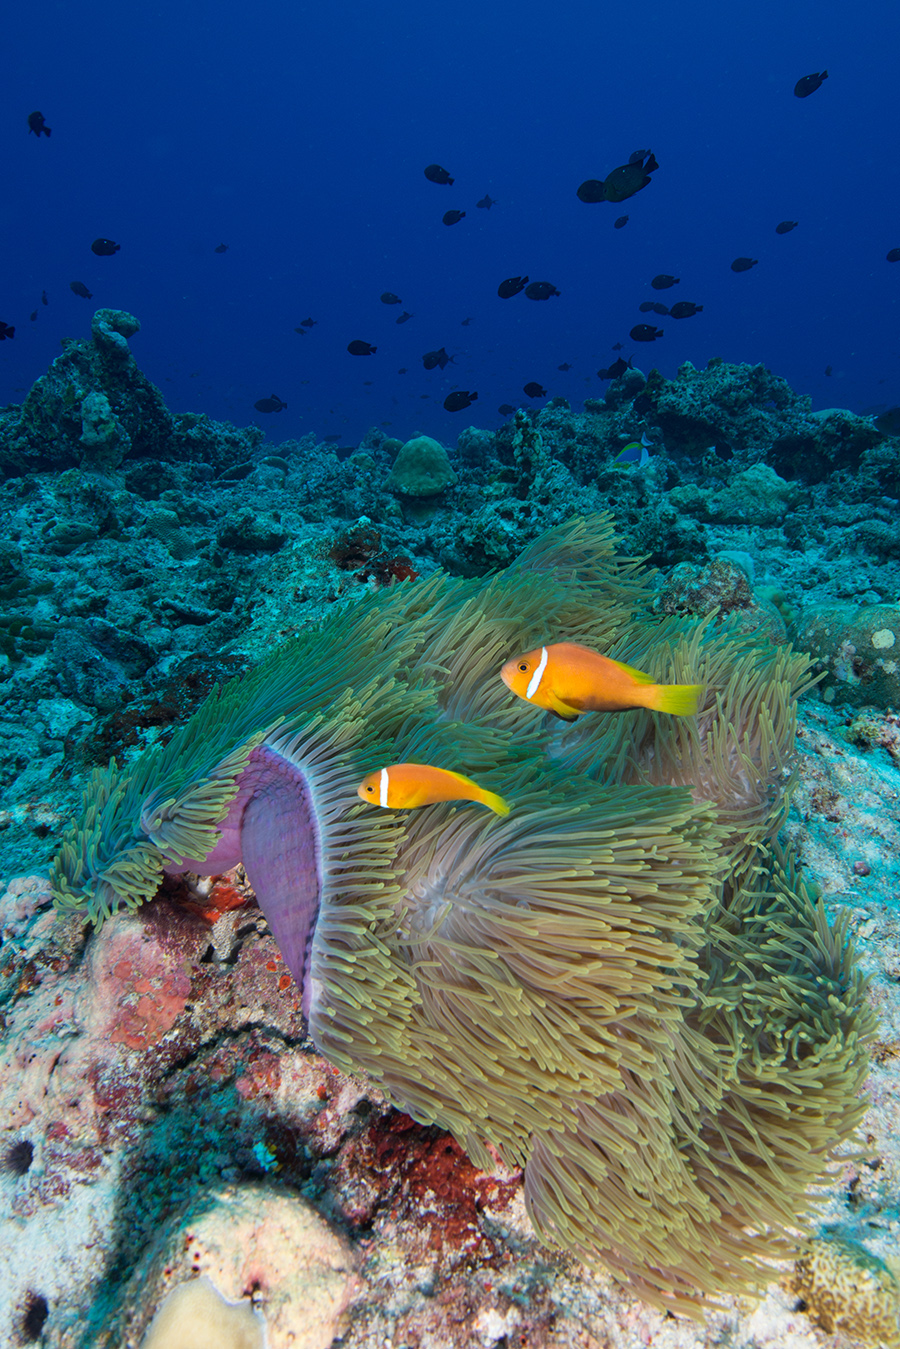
[[621, 987]]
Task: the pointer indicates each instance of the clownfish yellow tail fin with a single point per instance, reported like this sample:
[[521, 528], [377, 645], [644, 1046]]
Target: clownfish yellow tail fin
[[494, 802], [481, 794], [681, 700]]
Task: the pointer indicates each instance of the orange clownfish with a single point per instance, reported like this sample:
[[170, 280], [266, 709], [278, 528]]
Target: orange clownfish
[[405, 785], [569, 679]]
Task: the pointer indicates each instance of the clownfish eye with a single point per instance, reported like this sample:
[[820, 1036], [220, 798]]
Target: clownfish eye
[[370, 789], [523, 666]]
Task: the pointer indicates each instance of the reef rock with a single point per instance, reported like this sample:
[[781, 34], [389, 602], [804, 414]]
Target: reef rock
[[238, 1238], [92, 408], [858, 648], [421, 469]]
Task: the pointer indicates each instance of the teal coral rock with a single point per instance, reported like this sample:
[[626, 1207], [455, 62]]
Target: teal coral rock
[[857, 648], [93, 388], [622, 987], [421, 469], [103, 438]]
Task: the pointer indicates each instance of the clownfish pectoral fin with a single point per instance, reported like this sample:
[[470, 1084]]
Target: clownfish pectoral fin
[[680, 700], [564, 711]]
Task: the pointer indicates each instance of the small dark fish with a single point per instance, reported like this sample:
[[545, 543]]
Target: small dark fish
[[271, 404], [402, 370], [615, 370], [431, 359], [333, 438], [308, 323], [631, 177], [435, 174], [104, 248], [404, 317], [786, 226], [541, 290], [33, 316], [506, 409], [828, 369], [894, 255], [684, 309], [592, 190], [534, 390], [743, 264], [455, 402], [511, 286], [79, 288], [620, 223], [44, 299], [664, 281], [623, 182], [646, 306], [37, 124], [637, 155], [809, 84], [359, 348], [645, 332], [301, 331], [6, 331], [659, 308], [388, 297], [221, 248], [565, 366], [453, 217], [464, 323], [617, 346], [486, 203]]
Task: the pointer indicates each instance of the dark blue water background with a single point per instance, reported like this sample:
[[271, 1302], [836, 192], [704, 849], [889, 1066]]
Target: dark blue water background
[[297, 134]]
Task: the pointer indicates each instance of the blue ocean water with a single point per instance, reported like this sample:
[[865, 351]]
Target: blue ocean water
[[297, 134]]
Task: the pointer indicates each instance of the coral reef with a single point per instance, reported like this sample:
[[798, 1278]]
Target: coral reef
[[149, 555], [744, 408], [720, 587], [425, 959], [247, 1263], [858, 652], [845, 1288], [421, 469], [93, 407]]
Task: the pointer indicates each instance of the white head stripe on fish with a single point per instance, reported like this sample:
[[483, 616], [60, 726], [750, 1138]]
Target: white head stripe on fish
[[534, 682], [383, 788]]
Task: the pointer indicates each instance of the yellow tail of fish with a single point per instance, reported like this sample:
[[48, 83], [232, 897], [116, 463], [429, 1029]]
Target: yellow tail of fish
[[480, 794], [495, 802], [681, 700]]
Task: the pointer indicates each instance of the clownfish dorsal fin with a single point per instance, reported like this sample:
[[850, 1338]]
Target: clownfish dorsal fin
[[639, 676]]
